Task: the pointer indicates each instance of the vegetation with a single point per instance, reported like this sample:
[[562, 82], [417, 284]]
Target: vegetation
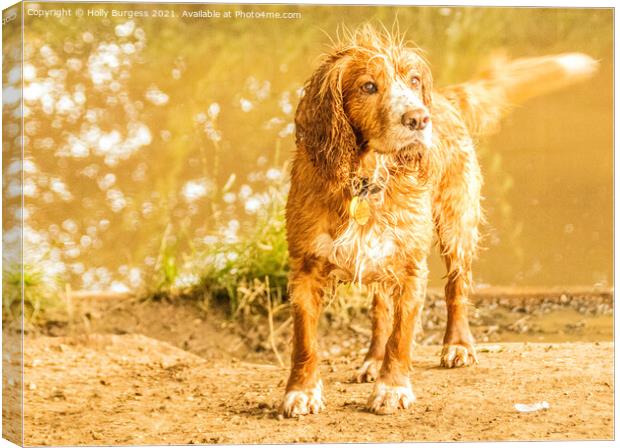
[[41, 295], [233, 264]]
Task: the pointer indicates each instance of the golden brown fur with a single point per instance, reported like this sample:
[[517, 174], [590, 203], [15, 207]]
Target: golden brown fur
[[370, 112]]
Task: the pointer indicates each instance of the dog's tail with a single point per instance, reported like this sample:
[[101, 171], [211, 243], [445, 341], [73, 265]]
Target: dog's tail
[[484, 101]]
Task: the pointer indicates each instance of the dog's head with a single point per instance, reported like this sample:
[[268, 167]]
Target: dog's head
[[371, 93]]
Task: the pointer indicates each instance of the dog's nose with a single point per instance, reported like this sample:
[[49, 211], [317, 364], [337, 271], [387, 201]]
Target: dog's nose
[[415, 119]]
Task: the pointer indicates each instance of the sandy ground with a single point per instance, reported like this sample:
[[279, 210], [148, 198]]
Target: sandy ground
[[132, 389], [126, 371]]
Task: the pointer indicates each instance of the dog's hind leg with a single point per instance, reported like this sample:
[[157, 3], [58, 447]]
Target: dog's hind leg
[[457, 214], [381, 317], [458, 343], [304, 390]]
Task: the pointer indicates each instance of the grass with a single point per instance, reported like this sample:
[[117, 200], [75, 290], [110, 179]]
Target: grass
[[41, 294], [232, 269], [242, 268]]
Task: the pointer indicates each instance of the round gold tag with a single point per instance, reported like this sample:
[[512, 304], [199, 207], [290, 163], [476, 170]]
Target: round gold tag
[[359, 209]]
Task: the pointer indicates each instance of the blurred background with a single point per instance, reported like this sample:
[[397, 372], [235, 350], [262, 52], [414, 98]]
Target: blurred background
[[156, 149]]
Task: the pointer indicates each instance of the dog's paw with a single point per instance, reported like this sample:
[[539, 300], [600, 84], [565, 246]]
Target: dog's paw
[[369, 371], [386, 399], [303, 402], [456, 355]]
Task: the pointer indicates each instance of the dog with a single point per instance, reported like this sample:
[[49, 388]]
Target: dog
[[384, 162]]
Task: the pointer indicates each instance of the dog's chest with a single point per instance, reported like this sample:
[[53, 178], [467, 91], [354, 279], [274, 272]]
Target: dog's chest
[[400, 226]]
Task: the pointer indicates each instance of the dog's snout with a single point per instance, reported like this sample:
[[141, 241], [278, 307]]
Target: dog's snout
[[415, 119]]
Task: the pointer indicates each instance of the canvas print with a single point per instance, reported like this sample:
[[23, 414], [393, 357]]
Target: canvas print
[[297, 223]]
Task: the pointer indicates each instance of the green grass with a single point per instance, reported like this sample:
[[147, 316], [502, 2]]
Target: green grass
[[260, 254], [237, 271], [41, 294]]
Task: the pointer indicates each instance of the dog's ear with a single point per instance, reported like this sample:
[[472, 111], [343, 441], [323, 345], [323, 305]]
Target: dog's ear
[[321, 124]]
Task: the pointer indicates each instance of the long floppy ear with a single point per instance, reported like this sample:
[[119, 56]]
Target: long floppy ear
[[322, 127]]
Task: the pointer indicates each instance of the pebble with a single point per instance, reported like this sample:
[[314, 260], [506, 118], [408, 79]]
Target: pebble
[[335, 350]]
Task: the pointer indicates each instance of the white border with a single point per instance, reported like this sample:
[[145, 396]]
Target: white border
[[480, 3]]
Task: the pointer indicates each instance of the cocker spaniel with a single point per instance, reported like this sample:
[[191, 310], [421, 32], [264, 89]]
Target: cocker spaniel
[[383, 162]]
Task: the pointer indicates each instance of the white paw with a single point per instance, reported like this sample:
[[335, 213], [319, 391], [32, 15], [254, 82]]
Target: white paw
[[387, 399], [303, 402], [369, 371], [458, 356]]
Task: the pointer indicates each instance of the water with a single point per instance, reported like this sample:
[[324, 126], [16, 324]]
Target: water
[[153, 135], [563, 325]]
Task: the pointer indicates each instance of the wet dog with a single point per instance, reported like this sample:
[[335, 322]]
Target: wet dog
[[384, 162]]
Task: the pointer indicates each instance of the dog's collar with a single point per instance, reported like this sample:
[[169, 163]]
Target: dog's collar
[[363, 187]]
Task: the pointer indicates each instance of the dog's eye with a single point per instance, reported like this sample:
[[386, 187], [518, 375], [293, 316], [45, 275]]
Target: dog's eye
[[415, 82], [370, 87]]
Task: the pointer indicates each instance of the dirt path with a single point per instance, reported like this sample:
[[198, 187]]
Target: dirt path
[[131, 389]]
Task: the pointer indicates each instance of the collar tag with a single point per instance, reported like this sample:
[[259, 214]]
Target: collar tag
[[359, 209]]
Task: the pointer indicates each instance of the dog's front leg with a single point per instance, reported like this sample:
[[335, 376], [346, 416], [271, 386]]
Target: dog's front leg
[[392, 390], [304, 387]]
